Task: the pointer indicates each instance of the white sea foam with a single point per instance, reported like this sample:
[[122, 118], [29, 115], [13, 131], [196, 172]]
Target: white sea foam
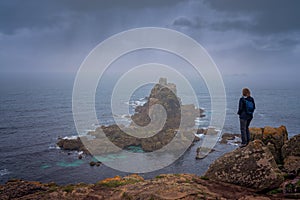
[[200, 135], [136, 103], [73, 137], [235, 141], [53, 146], [4, 172]]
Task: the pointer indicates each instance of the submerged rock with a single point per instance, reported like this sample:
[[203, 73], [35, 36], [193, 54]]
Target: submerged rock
[[252, 166], [72, 144]]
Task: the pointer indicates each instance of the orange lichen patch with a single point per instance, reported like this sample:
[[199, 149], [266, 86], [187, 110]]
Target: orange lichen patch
[[270, 131], [119, 181], [36, 183], [133, 177], [256, 133], [280, 131], [107, 180]]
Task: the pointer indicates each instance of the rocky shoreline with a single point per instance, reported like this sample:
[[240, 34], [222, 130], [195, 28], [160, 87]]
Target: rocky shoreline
[[267, 168], [252, 172]]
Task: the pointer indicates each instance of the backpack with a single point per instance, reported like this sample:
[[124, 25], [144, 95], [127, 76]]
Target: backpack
[[249, 106]]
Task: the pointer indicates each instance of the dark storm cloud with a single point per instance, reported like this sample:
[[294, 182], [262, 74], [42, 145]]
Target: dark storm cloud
[[35, 14], [268, 16], [182, 21]]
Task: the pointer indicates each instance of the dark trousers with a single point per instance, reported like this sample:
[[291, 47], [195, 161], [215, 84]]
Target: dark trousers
[[245, 134]]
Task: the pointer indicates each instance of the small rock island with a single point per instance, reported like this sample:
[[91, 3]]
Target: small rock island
[[164, 94]]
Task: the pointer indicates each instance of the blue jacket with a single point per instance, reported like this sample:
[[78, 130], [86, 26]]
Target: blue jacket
[[242, 108]]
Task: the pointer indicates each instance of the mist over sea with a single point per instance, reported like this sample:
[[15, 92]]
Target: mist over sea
[[36, 110]]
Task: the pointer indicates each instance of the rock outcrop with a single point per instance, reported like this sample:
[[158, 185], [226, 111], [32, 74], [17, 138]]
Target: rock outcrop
[[72, 144], [253, 166], [274, 138], [163, 94], [291, 155]]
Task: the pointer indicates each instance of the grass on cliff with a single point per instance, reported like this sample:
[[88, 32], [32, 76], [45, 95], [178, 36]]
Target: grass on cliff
[[275, 191], [68, 188], [116, 182]]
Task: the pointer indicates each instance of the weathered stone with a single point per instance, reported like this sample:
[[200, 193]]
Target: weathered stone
[[273, 137], [228, 136], [291, 147], [256, 133], [72, 144], [252, 166], [292, 164], [134, 187], [291, 154]]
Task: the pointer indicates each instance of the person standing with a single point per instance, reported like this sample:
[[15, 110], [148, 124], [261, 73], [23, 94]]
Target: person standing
[[245, 112]]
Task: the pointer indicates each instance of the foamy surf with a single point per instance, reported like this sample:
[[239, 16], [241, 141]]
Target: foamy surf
[[73, 137], [4, 172]]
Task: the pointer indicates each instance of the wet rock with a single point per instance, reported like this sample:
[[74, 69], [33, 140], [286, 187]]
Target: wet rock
[[72, 144], [252, 166], [226, 137], [95, 163], [202, 152]]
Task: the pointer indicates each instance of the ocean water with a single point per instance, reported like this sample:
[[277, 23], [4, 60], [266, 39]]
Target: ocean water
[[34, 112]]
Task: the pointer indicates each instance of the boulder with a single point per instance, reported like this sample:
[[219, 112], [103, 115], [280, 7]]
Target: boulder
[[291, 155], [273, 138], [72, 144], [292, 165], [226, 137], [252, 166], [291, 147]]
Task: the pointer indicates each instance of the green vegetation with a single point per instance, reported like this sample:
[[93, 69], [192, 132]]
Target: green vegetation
[[68, 188], [204, 178], [117, 183], [275, 191], [298, 183], [126, 196], [159, 176], [112, 184]]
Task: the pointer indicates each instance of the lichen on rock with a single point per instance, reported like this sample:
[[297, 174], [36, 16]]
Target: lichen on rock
[[253, 166]]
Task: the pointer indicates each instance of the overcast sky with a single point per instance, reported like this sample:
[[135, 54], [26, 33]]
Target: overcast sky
[[246, 38]]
